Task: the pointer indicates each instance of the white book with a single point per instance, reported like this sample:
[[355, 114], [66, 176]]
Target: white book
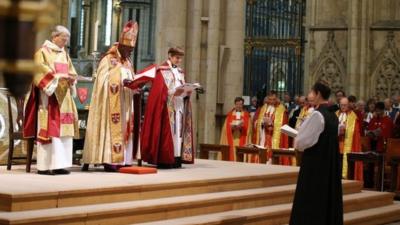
[[255, 146], [286, 129], [188, 87]]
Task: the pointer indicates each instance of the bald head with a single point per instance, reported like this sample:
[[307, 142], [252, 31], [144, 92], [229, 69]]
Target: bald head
[[344, 104], [301, 100], [388, 103], [311, 98]]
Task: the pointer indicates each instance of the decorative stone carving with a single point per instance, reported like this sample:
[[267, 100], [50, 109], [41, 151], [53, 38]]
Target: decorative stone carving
[[330, 65], [386, 73]]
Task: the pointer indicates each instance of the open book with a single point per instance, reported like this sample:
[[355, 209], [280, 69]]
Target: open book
[[286, 129], [143, 76], [188, 87]]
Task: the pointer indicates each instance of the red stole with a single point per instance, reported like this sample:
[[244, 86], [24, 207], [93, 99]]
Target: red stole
[[31, 117], [243, 134]]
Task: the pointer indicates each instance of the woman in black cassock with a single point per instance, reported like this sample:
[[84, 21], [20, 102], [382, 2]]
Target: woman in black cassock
[[318, 199]]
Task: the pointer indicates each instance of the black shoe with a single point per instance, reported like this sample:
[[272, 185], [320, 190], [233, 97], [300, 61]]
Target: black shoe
[[46, 172], [111, 168], [61, 172], [177, 164], [85, 167], [165, 166]]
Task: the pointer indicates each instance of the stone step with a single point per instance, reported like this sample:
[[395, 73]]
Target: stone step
[[180, 206], [374, 216], [280, 215], [65, 191]]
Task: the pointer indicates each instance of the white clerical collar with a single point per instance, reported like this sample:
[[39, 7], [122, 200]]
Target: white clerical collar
[[52, 46], [171, 65]]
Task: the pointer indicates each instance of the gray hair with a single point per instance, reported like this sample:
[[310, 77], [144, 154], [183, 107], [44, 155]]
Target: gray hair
[[361, 102], [59, 30]]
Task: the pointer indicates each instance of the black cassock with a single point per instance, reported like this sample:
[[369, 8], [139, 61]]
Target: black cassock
[[318, 199]]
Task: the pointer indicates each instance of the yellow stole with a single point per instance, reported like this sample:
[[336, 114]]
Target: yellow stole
[[276, 136], [278, 118], [303, 114], [348, 139], [114, 90]]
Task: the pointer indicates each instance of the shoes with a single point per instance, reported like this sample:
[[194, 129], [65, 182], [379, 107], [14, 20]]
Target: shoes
[[53, 172], [61, 172], [46, 172]]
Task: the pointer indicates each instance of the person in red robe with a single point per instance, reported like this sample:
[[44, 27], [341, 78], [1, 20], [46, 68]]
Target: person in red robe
[[167, 135], [380, 128], [237, 128], [396, 126], [349, 137]]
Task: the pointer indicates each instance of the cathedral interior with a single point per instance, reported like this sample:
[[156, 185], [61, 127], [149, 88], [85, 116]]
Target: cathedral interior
[[233, 48]]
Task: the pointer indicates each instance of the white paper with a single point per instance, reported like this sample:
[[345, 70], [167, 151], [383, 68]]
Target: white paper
[[237, 123], [286, 129]]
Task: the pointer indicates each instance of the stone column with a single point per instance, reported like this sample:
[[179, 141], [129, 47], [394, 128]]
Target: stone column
[[193, 52], [353, 46], [171, 26], [212, 71], [233, 71], [364, 51], [309, 48]]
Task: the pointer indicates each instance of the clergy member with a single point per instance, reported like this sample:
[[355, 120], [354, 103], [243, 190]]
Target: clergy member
[[109, 131], [50, 112], [268, 121], [237, 128], [294, 114], [318, 197], [306, 111], [349, 137], [380, 128], [167, 136]]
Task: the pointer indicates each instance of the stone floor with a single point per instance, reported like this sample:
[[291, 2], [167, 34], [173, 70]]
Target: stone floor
[[15, 181]]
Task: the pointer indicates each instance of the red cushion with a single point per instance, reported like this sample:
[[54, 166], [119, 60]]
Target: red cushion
[[138, 170]]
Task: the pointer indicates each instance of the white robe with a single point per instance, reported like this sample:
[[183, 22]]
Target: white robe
[[58, 153], [179, 107]]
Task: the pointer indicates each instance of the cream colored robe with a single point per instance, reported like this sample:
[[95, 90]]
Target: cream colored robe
[[55, 152], [99, 147]]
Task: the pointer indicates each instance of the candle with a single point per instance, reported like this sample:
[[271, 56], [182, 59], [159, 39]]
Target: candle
[[95, 36]]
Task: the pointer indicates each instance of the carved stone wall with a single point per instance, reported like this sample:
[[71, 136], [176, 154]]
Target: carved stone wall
[[386, 69], [330, 65], [354, 46]]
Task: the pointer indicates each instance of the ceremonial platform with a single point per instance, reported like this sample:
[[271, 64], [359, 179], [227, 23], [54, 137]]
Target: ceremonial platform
[[208, 192]]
